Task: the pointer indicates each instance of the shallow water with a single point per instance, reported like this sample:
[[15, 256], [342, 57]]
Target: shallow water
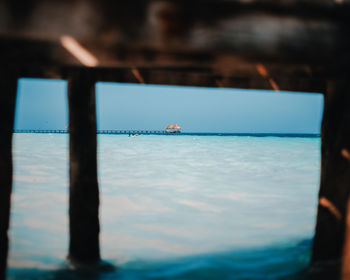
[[177, 207]]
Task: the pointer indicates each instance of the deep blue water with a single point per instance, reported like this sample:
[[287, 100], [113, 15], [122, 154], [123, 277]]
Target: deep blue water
[[191, 207]]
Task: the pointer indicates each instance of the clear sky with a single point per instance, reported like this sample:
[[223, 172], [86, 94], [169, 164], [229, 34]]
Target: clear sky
[[42, 104]]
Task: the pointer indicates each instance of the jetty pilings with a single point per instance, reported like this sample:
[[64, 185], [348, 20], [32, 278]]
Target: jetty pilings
[[8, 88], [84, 225], [331, 227]]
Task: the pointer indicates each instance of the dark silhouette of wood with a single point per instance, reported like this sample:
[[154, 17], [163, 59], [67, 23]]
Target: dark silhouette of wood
[[345, 271], [260, 44], [134, 33], [335, 177], [8, 88], [84, 194]]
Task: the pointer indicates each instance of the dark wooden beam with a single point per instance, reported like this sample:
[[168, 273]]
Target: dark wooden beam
[[335, 178], [204, 77], [189, 76], [264, 30], [84, 248], [8, 88]]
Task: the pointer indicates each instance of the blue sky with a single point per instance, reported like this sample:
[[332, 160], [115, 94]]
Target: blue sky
[[42, 104]]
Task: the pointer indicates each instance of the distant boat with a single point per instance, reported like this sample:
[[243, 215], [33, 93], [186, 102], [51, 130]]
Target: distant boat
[[173, 128]]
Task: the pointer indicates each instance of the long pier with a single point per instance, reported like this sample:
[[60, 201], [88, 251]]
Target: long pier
[[112, 131], [163, 132], [131, 132], [57, 131]]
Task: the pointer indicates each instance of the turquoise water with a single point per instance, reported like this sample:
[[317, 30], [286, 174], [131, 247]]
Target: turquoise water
[[174, 207]]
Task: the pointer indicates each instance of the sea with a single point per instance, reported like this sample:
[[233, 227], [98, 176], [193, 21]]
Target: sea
[[172, 206]]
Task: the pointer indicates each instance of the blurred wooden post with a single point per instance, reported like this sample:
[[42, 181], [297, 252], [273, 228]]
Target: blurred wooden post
[[335, 176], [345, 152], [8, 88], [346, 250], [84, 246]]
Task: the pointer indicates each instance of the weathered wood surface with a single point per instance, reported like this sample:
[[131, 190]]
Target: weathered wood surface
[[120, 33], [300, 44], [84, 226], [33, 59], [8, 88], [335, 178]]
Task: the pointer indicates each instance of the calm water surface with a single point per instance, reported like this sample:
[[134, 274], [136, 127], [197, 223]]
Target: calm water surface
[[174, 207]]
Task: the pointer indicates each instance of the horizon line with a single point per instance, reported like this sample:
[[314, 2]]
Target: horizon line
[[163, 132]]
